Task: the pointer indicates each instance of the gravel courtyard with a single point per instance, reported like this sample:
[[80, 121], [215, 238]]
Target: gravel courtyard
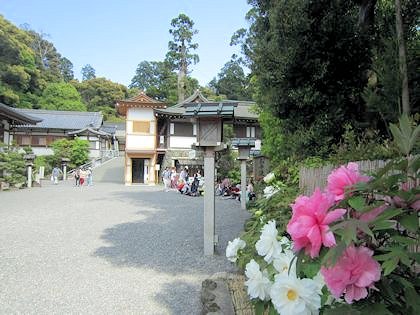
[[107, 249]]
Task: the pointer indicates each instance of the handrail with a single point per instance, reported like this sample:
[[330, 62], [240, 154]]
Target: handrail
[[105, 155]]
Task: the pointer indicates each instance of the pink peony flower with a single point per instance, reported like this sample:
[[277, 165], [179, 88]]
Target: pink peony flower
[[344, 177], [309, 224], [354, 272]]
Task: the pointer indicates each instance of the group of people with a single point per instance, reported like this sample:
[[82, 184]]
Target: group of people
[[183, 182], [227, 189], [82, 175]]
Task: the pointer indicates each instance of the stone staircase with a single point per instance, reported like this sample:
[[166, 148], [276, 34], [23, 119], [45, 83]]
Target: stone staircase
[[111, 171]]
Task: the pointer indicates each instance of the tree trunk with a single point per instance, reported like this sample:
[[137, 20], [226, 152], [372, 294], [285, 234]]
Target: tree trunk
[[402, 58], [182, 74]]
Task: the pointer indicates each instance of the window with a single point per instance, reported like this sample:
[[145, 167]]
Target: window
[[141, 126], [250, 132], [172, 128], [26, 140], [194, 129], [162, 139], [42, 141]]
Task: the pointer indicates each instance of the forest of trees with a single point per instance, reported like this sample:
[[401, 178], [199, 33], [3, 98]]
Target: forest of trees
[[33, 74], [319, 68]]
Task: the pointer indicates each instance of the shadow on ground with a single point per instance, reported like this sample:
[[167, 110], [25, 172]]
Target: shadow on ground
[[169, 297], [168, 236]]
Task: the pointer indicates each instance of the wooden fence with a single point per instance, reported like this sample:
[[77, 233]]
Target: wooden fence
[[310, 178]]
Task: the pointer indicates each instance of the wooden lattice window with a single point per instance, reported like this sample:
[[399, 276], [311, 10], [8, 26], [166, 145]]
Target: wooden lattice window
[[26, 140], [141, 126]]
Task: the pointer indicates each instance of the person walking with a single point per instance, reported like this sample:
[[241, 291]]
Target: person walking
[[77, 176], [89, 176], [55, 173], [166, 179]]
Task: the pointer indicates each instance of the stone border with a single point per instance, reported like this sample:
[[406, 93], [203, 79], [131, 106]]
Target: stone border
[[224, 294]]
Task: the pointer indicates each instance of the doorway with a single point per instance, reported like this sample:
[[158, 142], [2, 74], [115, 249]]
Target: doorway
[[137, 171]]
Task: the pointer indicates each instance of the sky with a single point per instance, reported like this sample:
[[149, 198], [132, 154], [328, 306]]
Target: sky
[[114, 36]]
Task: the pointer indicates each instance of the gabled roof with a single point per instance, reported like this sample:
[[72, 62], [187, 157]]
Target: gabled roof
[[209, 109], [139, 101], [15, 117], [196, 97], [90, 130], [242, 109], [67, 120]]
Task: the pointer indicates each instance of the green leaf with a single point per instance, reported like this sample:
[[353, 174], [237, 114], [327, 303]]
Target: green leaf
[[330, 259], [390, 265], [413, 298], [376, 309], [410, 222], [342, 309], [388, 214], [383, 225], [357, 202], [259, 308], [272, 310]]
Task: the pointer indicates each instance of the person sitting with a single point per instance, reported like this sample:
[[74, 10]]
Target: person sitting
[[180, 185], [186, 190], [250, 191], [194, 186]]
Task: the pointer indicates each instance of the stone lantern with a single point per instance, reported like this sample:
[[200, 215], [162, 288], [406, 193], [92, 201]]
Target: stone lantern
[[29, 159], [64, 162], [244, 146], [209, 119]]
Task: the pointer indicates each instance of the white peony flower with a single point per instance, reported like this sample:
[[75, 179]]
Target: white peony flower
[[269, 178], [319, 281], [269, 191], [233, 247], [293, 296], [268, 245], [282, 263], [258, 283], [285, 242]]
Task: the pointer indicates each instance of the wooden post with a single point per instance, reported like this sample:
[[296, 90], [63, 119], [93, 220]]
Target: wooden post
[[243, 184], [209, 202]]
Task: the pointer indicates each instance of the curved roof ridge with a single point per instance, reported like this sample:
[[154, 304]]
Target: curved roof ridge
[[197, 95]]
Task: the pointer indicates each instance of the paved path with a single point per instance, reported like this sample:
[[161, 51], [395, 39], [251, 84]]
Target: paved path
[[107, 249]]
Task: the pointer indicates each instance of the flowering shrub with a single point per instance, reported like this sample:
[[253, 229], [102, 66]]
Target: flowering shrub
[[352, 247]]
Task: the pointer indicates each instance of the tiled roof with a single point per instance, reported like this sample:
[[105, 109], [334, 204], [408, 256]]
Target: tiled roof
[[209, 109], [196, 97], [15, 116], [68, 120], [243, 110]]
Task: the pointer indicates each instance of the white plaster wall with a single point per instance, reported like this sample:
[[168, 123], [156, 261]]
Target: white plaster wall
[[182, 142], [7, 138], [140, 114], [140, 142], [42, 151], [94, 153]]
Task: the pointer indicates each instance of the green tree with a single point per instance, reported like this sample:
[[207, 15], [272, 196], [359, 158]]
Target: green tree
[[88, 72], [232, 81], [180, 54], [18, 68], [12, 165], [61, 96], [304, 56], [66, 68], [101, 94], [156, 79], [76, 150]]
